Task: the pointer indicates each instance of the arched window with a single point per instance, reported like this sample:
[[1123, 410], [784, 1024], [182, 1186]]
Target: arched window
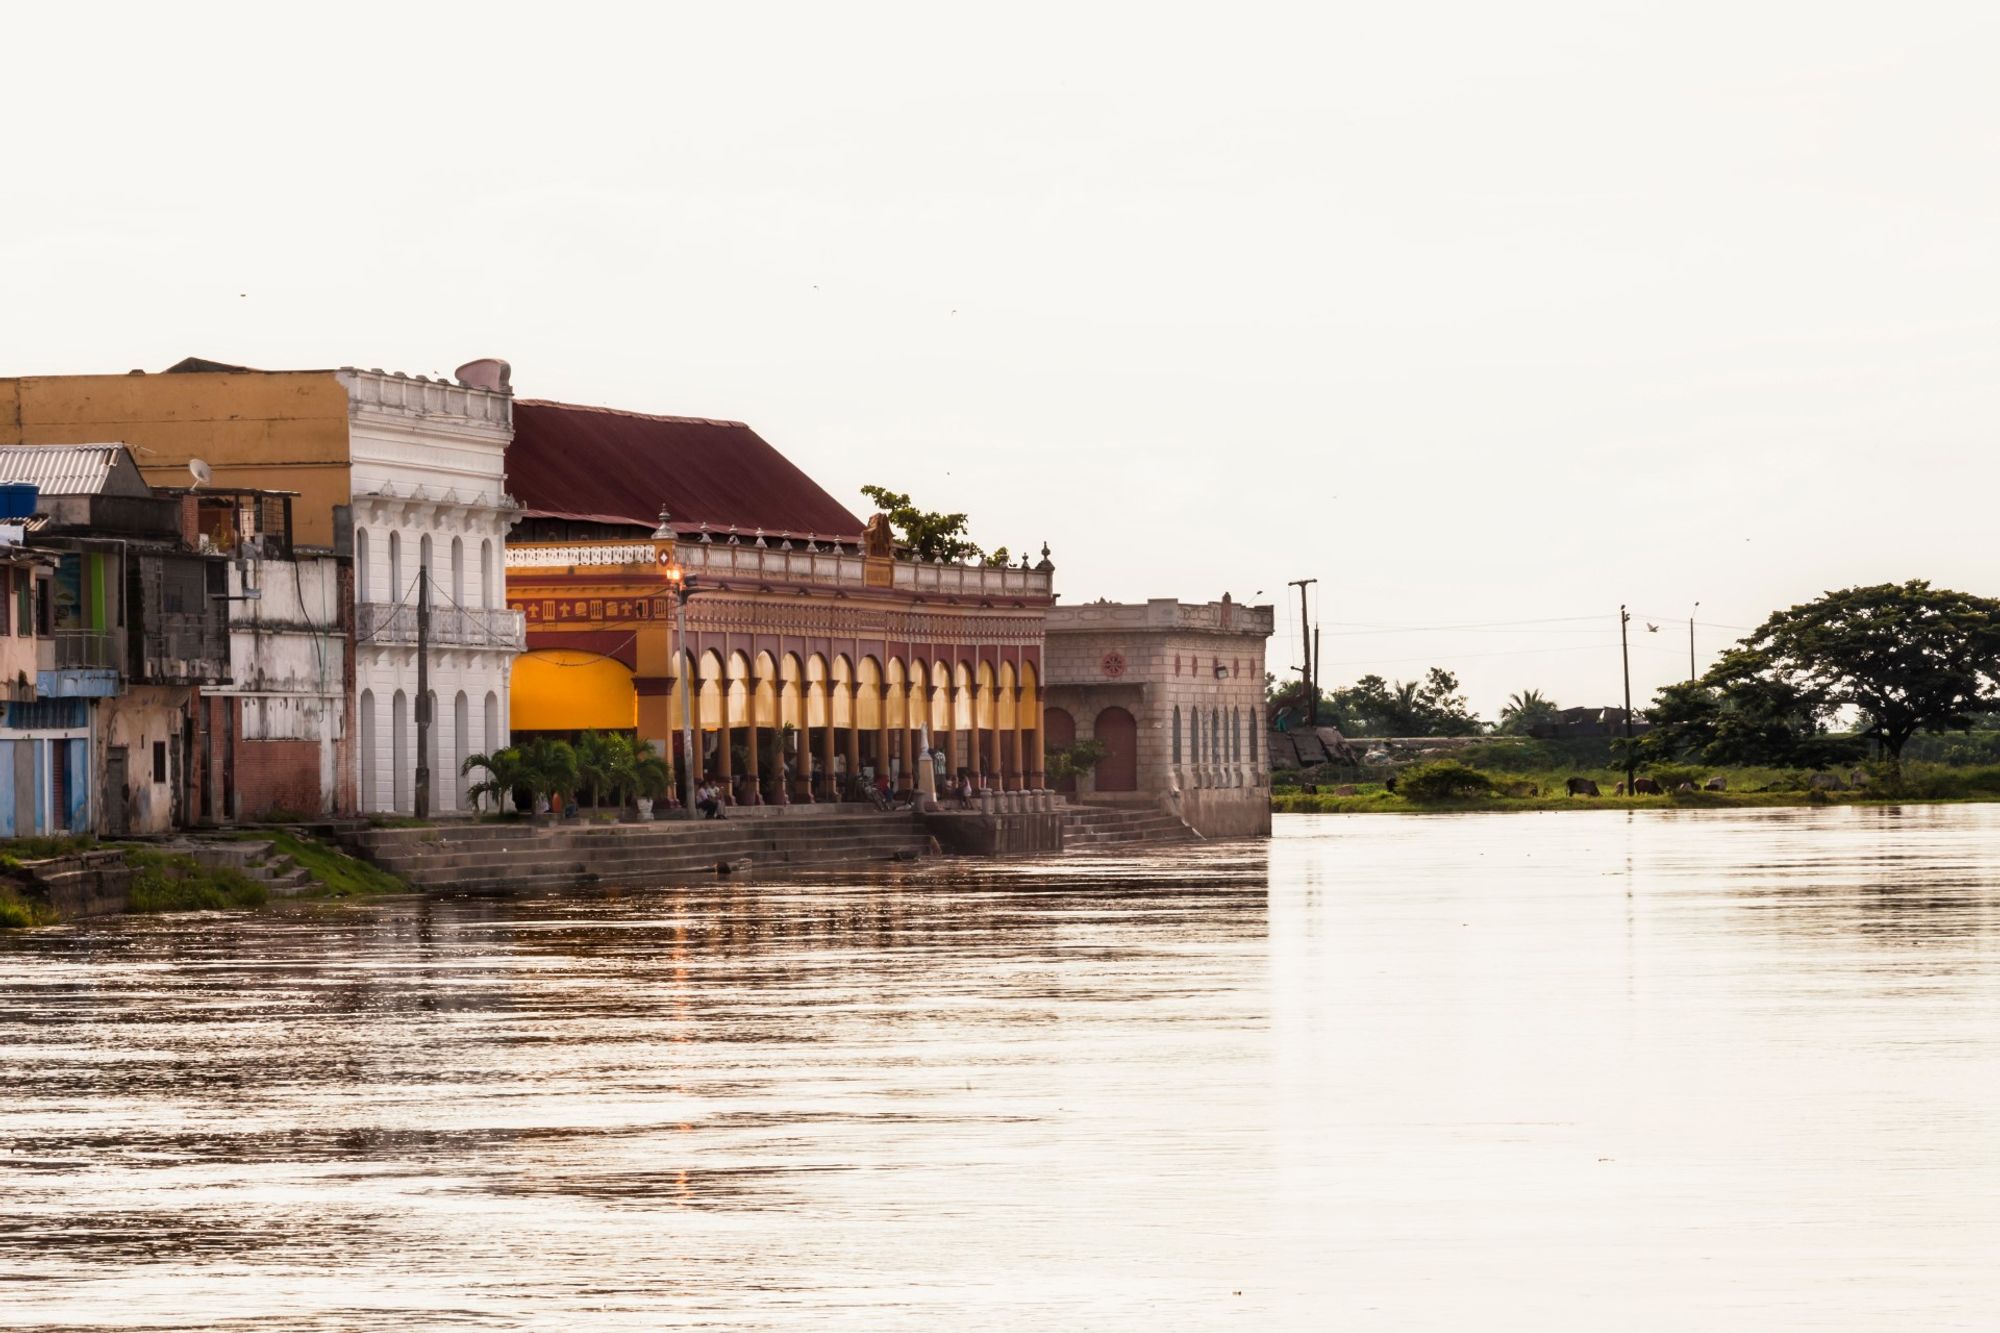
[[492, 722], [486, 573], [1177, 733], [395, 588], [1215, 735], [361, 564], [457, 572], [1194, 733], [1252, 729], [426, 567], [461, 747], [369, 761], [1235, 735], [399, 752]]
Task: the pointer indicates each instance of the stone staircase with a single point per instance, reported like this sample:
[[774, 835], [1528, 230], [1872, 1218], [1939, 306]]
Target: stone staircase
[[281, 876], [520, 855], [1091, 828]]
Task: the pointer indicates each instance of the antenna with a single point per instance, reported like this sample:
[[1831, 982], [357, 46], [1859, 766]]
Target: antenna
[[203, 473]]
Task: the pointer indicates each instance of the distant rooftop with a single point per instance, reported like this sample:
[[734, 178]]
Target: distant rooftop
[[73, 469]]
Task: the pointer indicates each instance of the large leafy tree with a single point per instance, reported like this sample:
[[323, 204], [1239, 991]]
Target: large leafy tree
[[1908, 656], [1736, 716], [929, 535]]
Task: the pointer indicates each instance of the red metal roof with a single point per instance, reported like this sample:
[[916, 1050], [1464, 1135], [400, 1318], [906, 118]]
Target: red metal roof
[[622, 466]]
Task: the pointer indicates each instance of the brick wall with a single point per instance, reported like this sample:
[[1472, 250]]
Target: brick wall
[[277, 775]]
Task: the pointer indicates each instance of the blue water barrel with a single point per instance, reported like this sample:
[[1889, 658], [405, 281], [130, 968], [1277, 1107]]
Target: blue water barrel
[[18, 500]]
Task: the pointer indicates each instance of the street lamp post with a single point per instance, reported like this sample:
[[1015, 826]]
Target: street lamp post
[[683, 587]]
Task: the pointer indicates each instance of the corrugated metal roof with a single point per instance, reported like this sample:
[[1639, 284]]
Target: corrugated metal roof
[[602, 462], [73, 469]]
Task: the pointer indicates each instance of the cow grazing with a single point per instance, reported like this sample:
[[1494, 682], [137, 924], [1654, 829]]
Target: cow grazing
[[1717, 783], [1685, 788], [1581, 787], [1646, 787]]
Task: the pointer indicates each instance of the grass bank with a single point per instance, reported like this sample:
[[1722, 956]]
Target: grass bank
[[339, 875], [176, 882], [1745, 788]]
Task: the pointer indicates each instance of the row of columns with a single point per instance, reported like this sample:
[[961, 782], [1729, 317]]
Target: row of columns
[[1005, 758]]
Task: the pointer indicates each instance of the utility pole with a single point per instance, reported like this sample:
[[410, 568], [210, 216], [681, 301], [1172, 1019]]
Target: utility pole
[[1306, 676], [1312, 709], [1697, 607], [1625, 652], [423, 805]]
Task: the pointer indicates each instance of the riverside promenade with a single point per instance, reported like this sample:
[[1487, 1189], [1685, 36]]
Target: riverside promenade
[[749, 840]]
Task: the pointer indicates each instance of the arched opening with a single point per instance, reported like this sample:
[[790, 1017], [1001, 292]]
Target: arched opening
[[1177, 733], [1059, 730], [486, 573], [493, 720], [394, 592], [369, 760], [1118, 732], [361, 564], [426, 566], [568, 690], [399, 752], [457, 571], [461, 747]]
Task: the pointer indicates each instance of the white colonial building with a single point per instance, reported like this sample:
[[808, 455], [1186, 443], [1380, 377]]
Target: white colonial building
[[428, 460]]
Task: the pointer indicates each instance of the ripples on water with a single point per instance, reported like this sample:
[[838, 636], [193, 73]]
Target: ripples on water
[[1593, 1070]]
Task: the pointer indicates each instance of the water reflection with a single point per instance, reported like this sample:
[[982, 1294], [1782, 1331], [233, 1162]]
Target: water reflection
[[1727, 1070]]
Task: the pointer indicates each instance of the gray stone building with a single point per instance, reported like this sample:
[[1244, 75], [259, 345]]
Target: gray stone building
[[1175, 692]]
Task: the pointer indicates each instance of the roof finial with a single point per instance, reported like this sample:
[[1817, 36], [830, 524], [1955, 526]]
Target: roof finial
[[665, 532]]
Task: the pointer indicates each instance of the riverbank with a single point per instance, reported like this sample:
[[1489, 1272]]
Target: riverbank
[[1743, 788], [47, 881]]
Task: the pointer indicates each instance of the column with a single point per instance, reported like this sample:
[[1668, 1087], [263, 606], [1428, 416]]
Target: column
[[977, 760], [853, 732], [725, 765], [827, 791], [909, 739], [756, 792], [1016, 750], [882, 764], [1038, 772], [950, 737]]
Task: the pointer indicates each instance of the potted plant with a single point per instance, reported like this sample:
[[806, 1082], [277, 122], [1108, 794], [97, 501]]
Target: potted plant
[[650, 779]]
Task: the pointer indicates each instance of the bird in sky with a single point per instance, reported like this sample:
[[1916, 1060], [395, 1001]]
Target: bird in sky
[[1652, 629]]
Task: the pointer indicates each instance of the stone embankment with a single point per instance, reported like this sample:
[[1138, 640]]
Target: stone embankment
[[520, 855], [1092, 828]]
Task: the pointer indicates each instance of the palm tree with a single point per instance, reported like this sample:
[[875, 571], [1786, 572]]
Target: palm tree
[[600, 762], [1524, 711], [504, 776], [549, 768]]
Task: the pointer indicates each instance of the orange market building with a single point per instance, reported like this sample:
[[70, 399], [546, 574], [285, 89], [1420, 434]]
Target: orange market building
[[819, 655]]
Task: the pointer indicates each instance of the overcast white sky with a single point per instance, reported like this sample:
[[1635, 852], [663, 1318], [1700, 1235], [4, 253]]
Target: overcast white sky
[[1478, 313]]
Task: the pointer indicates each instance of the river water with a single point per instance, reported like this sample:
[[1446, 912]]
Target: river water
[[1566, 1071]]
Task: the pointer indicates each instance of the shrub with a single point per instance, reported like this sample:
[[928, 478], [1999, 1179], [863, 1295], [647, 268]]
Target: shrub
[[17, 912], [1444, 780], [1670, 776], [172, 882]]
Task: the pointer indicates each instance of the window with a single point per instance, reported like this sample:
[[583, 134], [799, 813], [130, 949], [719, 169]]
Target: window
[[1177, 725], [159, 761], [44, 609], [424, 564], [6, 601], [1194, 732], [457, 572], [361, 564], [395, 568], [24, 604], [486, 573]]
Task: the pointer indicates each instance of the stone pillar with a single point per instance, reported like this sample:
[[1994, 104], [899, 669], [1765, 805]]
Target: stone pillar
[[882, 765], [909, 745], [725, 766], [750, 726], [950, 737], [827, 790], [1038, 768], [1016, 749], [853, 731]]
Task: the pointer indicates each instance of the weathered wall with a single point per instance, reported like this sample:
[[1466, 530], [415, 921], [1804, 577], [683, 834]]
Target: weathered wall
[[1023, 833], [280, 430], [279, 775], [1224, 813], [137, 720]]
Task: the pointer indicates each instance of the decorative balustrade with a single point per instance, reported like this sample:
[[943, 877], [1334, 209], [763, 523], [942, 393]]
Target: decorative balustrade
[[750, 563], [451, 626]]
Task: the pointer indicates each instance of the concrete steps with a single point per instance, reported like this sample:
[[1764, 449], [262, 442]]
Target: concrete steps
[[1089, 828], [514, 855]]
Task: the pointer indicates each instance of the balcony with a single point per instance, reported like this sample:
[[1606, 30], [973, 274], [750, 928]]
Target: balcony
[[451, 627], [89, 649]]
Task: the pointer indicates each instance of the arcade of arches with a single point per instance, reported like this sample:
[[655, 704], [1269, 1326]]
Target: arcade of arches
[[796, 693]]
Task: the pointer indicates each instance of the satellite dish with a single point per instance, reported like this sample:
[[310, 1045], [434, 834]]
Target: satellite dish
[[203, 473]]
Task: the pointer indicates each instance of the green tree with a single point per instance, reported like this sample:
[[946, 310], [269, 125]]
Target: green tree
[[1734, 716], [928, 535], [1908, 656], [504, 776], [1525, 711], [1373, 706], [549, 768]]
